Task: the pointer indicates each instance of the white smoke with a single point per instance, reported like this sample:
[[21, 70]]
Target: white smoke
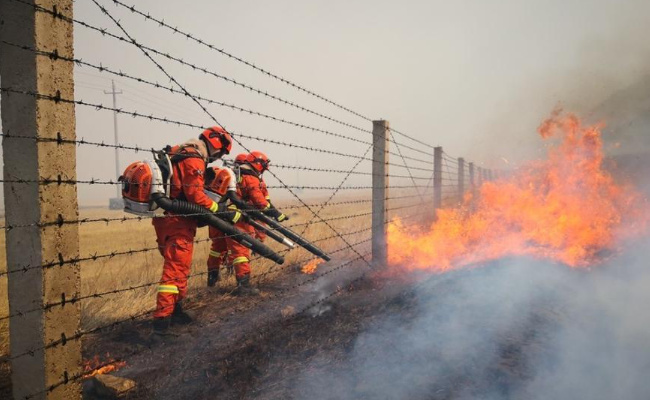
[[516, 329]]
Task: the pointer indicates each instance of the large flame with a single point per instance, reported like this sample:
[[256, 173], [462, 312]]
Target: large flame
[[566, 208]]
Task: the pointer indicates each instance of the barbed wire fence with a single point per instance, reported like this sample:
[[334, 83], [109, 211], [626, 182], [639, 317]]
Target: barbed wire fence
[[347, 216]]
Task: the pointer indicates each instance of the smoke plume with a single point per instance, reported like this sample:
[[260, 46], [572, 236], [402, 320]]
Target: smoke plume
[[514, 329]]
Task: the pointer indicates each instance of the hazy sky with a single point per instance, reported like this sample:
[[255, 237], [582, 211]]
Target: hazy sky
[[476, 77]]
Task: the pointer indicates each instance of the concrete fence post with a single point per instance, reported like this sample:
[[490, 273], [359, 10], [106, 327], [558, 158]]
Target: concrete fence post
[[379, 192], [461, 179], [472, 178], [39, 367], [472, 183], [437, 178]]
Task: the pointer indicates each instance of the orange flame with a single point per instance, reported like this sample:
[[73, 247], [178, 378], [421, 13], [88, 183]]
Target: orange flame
[[311, 266], [96, 366], [566, 208]]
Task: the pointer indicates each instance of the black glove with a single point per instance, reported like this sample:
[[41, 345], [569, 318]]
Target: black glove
[[232, 214], [282, 217], [275, 214]]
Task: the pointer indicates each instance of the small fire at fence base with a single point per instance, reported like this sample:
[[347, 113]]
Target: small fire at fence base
[[97, 366], [311, 266]]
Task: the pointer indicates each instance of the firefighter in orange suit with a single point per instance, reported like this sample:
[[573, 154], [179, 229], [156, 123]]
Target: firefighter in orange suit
[[175, 234], [219, 183], [252, 189]]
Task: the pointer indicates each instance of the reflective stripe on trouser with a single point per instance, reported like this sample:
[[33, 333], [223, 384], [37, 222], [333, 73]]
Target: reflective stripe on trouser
[[240, 260], [173, 289], [238, 255], [175, 236], [218, 249]]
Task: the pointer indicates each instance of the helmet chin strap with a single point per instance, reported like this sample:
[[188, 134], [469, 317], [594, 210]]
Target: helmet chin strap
[[213, 155], [216, 155]]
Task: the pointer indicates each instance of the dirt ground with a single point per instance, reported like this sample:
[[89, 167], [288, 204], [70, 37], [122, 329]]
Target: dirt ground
[[254, 348]]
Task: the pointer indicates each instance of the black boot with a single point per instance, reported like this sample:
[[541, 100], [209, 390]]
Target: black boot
[[161, 330], [180, 317], [244, 287], [214, 276]]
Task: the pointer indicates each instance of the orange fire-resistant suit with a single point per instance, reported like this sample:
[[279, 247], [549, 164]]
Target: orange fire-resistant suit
[[219, 183], [175, 234], [252, 189]]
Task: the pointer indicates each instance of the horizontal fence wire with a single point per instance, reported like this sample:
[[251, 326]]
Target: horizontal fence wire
[[78, 298], [119, 73], [135, 114], [60, 221], [64, 181], [101, 68], [104, 32], [94, 257], [191, 37], [412, 138]]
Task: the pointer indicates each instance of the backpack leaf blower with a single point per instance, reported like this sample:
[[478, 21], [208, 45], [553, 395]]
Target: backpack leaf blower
[[145, 190]]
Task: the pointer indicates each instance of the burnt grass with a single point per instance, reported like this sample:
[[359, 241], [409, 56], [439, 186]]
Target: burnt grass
[[247, 349]]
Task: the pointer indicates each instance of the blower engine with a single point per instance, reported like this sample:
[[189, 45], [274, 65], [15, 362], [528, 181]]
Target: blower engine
[[145, 190], [221, 181], [141, 181]]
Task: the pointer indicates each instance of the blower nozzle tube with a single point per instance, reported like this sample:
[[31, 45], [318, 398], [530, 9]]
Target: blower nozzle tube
[[291, 235], [269, 232], [181, 207]]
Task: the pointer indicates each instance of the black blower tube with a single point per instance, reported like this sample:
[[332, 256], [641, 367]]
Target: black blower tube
[[181, 207], [269, 232], [291, 235]]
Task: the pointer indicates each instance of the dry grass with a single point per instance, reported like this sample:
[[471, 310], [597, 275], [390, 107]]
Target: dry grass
[[121, 272]]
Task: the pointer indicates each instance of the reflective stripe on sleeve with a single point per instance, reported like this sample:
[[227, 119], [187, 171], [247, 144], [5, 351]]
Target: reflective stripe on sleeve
[[214, 207], [215, 253], [173, 289], [240, 260]]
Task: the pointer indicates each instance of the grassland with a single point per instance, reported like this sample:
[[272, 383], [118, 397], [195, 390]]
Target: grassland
[[143, 269]]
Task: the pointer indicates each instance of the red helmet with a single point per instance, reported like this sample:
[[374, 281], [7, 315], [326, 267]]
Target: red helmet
[[241, 158], [218, 141], [258, 160]]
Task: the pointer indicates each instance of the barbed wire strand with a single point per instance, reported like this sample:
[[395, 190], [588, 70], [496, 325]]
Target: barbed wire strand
[[77, 298], [60, 221], [94, 257], [105, 32], [189, 36], [408, 170]]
